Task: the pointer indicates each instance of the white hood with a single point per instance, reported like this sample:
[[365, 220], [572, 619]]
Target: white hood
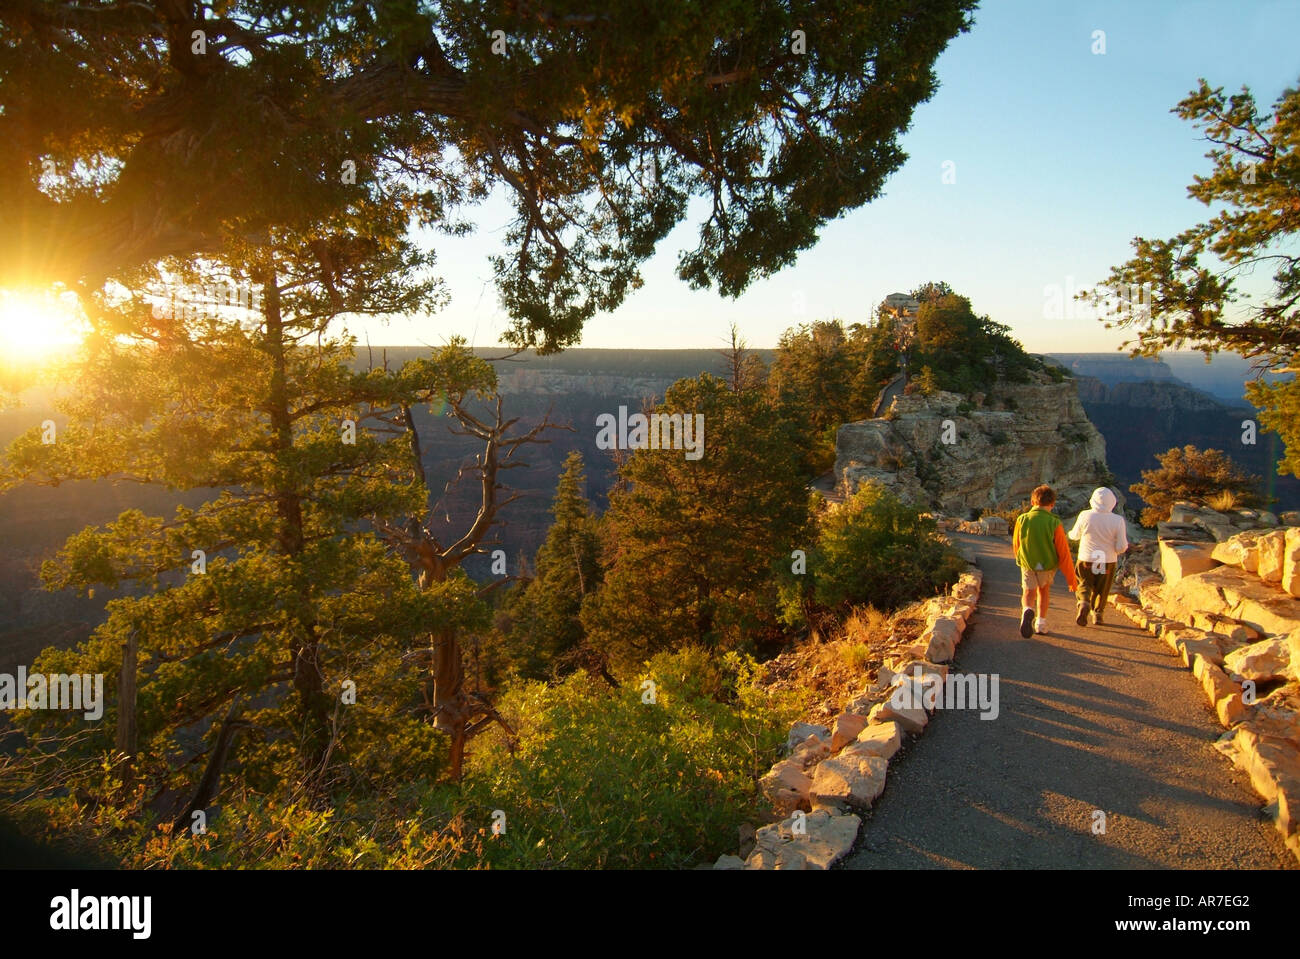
[[1103, 500]]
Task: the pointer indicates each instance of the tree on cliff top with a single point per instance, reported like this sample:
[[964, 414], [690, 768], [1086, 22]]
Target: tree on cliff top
[[133, 132], [1190, 280], [1194, 475]]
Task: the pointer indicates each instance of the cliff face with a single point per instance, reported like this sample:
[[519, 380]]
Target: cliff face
[[956, 454]]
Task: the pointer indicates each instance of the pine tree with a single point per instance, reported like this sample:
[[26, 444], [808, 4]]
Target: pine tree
[[266, 620], [546, 633], [691, 544]]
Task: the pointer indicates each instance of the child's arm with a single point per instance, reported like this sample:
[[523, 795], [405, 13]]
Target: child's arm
[[1063, 558]]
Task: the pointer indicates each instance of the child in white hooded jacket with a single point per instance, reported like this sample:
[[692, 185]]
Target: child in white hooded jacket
[[1102, 536]]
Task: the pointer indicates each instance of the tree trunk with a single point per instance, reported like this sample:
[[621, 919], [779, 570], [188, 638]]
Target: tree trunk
[[308, 678]]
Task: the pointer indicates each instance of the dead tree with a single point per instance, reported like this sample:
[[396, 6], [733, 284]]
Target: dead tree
[[461, 713]]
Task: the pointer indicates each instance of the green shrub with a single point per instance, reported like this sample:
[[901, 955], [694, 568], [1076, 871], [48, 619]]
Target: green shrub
[[876, 549]]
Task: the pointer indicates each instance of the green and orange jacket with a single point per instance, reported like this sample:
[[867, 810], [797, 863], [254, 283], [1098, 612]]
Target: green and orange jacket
[[1039, 542]]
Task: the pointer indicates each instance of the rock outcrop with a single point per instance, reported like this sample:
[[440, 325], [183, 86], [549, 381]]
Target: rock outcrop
[[954, 454]]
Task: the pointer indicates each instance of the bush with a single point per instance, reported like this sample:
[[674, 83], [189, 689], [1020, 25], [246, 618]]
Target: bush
[[1194, 475], [876, 549]]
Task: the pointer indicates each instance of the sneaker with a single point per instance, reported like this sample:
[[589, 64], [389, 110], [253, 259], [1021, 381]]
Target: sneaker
[[1027, 623], [1040, 626], [1082, 616]]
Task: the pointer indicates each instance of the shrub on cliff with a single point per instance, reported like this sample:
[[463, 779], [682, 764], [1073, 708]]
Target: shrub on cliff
[[1194, 475]]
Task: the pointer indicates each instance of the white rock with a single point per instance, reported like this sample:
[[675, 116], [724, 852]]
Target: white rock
[[911, 720], [882, 739], [823, 837], [1272, 550], [852, 779], [729, 862], [846, 729], [1263, 661], [941, 639]]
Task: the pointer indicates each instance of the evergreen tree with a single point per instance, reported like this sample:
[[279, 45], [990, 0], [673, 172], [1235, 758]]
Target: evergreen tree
[[544, 625], [1171, 298], [266, 620], [691, 545]]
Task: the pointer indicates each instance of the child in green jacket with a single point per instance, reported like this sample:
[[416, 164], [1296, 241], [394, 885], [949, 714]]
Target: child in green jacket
[[1041, 548]]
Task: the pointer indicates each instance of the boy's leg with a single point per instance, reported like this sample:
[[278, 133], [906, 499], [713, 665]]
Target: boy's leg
[[1028, 602]]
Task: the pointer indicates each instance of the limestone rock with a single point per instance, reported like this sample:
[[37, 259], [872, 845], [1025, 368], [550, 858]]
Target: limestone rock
[[1241, 550], [816, 840], [1266, 518], [995, 526], [812, 750], [786, 786], [853, 779], [942, 638], [1273, 764], [1179, 559], [1291, 562], [1043, 436], [729, 862], [882, 739], [846, 729], [1289, 518], [911, 720], [1230, 592], [1224, 695], [1266, 660], [1272, 549]]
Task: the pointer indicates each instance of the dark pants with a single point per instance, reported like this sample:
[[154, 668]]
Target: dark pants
[[1094, 587]]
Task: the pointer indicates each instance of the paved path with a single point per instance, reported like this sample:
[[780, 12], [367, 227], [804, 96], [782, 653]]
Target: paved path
[[1091, 718]]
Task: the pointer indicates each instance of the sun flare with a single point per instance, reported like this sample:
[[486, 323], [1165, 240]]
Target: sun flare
[[36, 326]]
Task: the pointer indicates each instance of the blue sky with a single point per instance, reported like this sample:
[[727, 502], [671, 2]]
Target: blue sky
[[1061, 156]]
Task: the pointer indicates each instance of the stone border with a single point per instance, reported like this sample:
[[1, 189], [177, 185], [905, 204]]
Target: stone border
[[1261, 741], [829, 774]]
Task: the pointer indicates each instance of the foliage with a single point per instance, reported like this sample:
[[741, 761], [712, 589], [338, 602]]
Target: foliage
[[872, 549], [966, 353], [599, 128], [542, 614], [1178, 291], [1194, 475], [691, 543]]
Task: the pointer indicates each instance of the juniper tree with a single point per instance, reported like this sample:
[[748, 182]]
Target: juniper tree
[[1181, 291], [130, 132]]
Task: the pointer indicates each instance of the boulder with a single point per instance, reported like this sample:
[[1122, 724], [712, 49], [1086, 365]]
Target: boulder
[[911, 720], [853, 779], [1182, 532], [816, 840], [1241, 550], [1188, 644], [1273, 765], [846, 729], [1224, 695], [1293, 648], [1289, 518], [1263, 661], [1291, 561], [801, 731], [941, 639], [1228, 591], [1266, 518], [786, 786], [729, 862], [1225, 626], [1178, 559], [1183, 512], [1272, 549], [882, 739]]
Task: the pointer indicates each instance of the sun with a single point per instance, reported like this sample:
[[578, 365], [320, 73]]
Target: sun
[[37, 326]]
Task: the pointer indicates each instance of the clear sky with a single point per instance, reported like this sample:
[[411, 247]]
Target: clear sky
[[1061, 156]]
